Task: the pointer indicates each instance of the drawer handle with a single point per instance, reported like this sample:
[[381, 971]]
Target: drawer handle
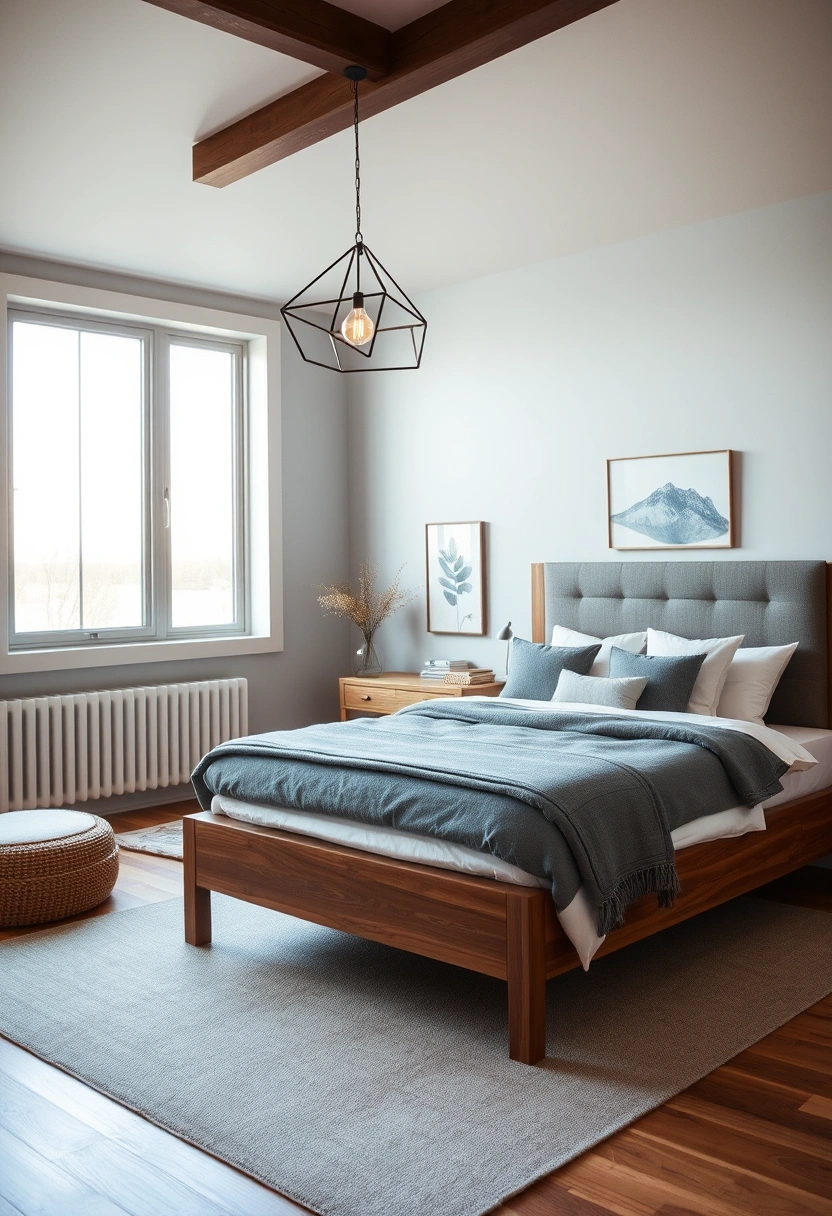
[[365, 696]]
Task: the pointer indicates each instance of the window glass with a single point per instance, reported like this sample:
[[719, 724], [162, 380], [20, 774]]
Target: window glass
[[202, 393], [77, 465], [111, 481], [128, 472]]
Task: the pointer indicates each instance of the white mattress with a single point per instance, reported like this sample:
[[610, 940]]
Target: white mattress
[[577, 919]]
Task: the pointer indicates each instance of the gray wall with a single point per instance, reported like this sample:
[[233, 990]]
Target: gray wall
[[711, 336], [298, 685], [716, 335]]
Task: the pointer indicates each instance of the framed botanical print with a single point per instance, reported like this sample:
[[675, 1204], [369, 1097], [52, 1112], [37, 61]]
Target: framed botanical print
[[455, 555], [679, 501]]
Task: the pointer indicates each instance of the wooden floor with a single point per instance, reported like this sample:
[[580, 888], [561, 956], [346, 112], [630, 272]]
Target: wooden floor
[[753, 1139]]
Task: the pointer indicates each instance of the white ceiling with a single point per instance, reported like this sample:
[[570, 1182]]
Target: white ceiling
[[645, 116], [392, 14]]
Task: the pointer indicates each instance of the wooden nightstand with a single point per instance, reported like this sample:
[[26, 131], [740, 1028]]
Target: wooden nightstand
[[392, 690]]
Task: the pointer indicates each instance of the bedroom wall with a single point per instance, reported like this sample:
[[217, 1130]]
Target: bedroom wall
[[298, 685], [715, 335]]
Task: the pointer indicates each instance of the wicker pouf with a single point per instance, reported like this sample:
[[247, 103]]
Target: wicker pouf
[[53, 864]]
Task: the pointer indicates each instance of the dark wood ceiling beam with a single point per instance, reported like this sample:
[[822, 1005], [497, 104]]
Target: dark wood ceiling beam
[[446, 43], [310, 30]]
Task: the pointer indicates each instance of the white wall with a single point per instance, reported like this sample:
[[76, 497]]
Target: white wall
[[298, 685], [715, 335]]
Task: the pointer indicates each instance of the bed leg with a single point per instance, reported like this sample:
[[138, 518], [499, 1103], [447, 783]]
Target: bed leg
[[526, 975], [197, 899]]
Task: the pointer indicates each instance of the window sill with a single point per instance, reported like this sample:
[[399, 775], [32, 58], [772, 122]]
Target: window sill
[[113, 655]]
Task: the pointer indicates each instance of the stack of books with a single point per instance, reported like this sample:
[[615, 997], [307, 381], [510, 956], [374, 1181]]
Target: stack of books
[[474, 675], [456, 671], [437, 669]]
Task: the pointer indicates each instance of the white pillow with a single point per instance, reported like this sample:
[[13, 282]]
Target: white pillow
[[596, 690], [712, 674], [634, 642], [753, 675]]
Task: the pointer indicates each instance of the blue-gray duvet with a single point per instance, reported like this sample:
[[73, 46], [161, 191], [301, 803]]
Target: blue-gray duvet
[[578, 799]]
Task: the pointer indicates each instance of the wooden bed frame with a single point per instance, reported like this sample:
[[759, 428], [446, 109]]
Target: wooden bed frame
[[492, 927]]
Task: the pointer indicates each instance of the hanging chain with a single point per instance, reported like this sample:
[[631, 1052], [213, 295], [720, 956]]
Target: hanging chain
[[358, 237]]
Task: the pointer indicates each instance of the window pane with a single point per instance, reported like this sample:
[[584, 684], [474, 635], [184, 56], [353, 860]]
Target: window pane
[[45, 477], [202, 485], [111, 481], [77, 462]]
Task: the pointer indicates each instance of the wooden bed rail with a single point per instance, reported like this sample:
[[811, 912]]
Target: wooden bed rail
[[492, 927]]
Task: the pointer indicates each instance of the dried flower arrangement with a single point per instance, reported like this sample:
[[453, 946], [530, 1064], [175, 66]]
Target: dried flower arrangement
[[366, 609]]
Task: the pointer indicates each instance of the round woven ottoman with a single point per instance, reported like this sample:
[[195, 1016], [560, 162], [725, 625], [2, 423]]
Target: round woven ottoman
[[53, 864]]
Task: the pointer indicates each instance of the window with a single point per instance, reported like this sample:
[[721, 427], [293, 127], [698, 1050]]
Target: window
[[128, 474]]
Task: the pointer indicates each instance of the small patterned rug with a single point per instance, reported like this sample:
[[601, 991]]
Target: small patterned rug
[[165, 840]]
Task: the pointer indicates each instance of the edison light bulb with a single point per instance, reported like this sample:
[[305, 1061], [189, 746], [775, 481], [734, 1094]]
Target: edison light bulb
[[357, 327]]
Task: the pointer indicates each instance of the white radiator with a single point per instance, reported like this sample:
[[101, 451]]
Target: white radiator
[[55, 751]]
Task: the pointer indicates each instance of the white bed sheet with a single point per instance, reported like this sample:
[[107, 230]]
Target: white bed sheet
[[809, 749]]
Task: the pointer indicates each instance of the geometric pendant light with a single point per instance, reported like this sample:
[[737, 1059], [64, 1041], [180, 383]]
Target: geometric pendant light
[[354, 317]]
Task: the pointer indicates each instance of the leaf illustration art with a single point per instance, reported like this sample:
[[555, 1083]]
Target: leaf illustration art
[[454, 579]]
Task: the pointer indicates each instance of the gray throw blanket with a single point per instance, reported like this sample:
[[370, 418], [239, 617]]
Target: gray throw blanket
[[513, 782]]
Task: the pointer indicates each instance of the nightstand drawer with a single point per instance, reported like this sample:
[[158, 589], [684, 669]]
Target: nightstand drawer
[[364, 696], [403, 697], [380, 699]]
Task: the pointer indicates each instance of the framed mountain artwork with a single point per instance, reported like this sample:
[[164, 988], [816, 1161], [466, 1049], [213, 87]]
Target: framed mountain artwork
[[681, 501], [455, 556]]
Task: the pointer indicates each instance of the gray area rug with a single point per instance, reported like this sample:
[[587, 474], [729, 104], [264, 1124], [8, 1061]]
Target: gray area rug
[[363, 1081], [165, 840]]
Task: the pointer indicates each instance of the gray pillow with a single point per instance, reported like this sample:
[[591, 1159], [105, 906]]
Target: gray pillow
[[670, 678], [598, 690], [534, 669]]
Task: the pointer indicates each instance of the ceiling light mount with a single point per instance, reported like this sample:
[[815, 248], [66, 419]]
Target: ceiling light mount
[[351, 337]]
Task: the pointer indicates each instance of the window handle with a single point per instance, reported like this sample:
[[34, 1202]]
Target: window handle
[[167, 506]]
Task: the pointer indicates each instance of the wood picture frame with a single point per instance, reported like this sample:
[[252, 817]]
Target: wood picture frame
[[455, 566], [647, 510]]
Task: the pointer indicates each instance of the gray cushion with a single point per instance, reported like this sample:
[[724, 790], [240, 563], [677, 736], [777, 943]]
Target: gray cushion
[[534, 669], [598, 690], [670, 678]]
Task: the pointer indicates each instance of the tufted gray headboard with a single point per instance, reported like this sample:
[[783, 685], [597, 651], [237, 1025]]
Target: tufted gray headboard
[[772, 603]]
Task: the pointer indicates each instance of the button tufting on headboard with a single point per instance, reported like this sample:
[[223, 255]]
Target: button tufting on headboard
[[772, 603]]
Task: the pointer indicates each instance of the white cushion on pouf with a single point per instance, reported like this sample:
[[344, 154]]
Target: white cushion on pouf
[[33, 827], [53, 864]]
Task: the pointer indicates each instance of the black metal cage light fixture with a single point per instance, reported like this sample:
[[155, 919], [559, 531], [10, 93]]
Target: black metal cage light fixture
[[354, 317]]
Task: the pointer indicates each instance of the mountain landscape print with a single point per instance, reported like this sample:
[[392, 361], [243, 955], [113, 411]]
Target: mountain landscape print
[[674, 517], [661, 502]]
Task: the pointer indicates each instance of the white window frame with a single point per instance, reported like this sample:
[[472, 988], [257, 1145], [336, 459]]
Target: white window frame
[[156, 555], [259, 568]]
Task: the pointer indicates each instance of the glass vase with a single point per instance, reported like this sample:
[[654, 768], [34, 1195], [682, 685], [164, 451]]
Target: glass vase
[[366, 660]]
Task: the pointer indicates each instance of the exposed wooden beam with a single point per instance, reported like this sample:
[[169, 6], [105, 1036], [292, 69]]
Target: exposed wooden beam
[[446, 43], [311, 30]]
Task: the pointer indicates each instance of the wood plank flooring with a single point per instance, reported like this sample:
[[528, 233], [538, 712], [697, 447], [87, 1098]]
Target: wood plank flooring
[[752, 1139]]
